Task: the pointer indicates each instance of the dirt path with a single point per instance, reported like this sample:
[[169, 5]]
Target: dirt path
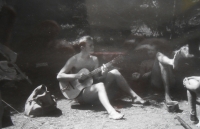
[[154, 116]]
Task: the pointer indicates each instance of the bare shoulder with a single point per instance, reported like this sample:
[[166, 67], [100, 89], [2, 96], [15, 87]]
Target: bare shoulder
[[94, 58], [73, 59], [69, 64]]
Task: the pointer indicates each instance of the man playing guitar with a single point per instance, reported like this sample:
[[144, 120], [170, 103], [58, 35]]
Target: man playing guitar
[[97, 90]]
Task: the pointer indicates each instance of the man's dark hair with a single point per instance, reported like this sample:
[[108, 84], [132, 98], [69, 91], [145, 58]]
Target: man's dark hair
[[84, 39]]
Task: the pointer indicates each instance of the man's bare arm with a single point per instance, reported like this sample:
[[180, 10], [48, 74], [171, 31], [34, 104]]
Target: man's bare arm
[[63, 74], [194, 77]]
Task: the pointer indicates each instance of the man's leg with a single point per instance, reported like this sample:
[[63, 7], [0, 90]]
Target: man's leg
[[192, 103], [164, 63], [193, 93], [166, 81], [115, 75], [91, 94]]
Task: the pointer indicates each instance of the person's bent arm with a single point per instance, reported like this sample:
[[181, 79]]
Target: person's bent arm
[[63, 74], [146, 75], [194, 77]]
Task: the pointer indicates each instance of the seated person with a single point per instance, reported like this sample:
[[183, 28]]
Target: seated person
[[90, 93], [192, 84], [40, 102], [144, 74], [162, 73]]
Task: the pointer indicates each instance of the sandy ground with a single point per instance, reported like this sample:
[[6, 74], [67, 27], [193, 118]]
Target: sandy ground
[[154, 116]]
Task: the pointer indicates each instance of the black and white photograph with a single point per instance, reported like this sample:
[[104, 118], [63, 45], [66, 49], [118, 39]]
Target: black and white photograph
[[99, 64]]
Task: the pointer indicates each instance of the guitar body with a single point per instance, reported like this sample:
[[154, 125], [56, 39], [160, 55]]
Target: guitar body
[[73, 88]]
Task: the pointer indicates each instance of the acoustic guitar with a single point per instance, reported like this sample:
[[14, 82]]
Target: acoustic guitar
[[73, 88]]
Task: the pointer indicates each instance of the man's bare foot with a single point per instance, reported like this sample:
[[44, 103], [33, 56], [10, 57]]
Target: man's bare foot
[[115, 115], [138, 100], [168, 100]]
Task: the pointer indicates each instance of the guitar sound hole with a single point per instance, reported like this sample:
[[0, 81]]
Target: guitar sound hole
[[81, 81]]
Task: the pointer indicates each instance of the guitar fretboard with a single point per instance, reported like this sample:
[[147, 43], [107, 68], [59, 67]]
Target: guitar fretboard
[[96, 71]]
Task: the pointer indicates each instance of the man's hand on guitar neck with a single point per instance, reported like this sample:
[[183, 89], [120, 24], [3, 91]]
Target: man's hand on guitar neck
[[104, 70]]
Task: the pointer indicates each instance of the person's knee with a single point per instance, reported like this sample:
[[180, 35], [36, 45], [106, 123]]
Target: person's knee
[[192, 85], [160, 58], [159, 55], [163, 59], [100, 86], [114, 72]]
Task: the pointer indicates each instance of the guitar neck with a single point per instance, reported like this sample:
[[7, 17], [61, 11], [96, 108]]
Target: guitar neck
[[96, 71]]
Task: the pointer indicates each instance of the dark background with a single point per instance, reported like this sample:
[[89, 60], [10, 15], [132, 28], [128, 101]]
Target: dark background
[[105, 20]]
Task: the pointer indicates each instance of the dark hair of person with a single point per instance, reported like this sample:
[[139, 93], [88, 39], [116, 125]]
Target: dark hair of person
[[84, 39]]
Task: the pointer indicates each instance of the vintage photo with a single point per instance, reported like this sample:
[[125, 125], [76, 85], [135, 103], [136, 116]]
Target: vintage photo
[[99, 64]]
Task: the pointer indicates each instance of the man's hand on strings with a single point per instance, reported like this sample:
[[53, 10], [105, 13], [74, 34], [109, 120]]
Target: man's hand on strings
[[81, 76], [104, 70]]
